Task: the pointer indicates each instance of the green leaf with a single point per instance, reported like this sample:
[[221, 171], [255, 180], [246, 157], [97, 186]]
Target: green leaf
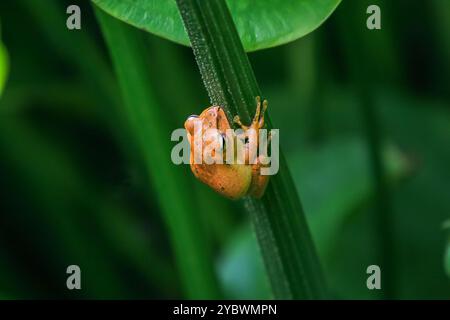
[[261, 24], [279, 222]]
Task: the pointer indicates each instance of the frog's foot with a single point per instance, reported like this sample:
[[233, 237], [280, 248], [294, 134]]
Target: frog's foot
[[258, 119], [237, 120]]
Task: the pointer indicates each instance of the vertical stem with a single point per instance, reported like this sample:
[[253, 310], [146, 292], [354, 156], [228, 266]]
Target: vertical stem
[[278, 218]]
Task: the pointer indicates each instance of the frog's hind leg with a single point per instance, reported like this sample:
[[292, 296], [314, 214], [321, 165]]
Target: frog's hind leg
[[259, 182]]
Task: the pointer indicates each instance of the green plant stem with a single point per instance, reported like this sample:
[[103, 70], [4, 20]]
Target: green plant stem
[[152, 132], [279, 222]]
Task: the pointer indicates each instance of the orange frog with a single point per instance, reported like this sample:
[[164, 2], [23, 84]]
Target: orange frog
[[236, 179]]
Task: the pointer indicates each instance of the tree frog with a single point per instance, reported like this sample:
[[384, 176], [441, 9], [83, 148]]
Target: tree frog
[[237, 179]]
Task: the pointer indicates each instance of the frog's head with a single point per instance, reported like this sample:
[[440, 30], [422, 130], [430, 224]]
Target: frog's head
[[211, 118]]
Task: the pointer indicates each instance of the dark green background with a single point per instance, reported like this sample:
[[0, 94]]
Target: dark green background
[[74, 191]]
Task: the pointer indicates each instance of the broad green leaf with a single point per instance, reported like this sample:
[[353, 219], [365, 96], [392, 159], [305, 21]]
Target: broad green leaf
[[261, 24]]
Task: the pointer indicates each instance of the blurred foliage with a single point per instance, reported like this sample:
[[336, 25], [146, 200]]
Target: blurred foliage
[[3, 64], [75, 187], [150, 128], [240, 267], [447, 251], [335, 182]]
